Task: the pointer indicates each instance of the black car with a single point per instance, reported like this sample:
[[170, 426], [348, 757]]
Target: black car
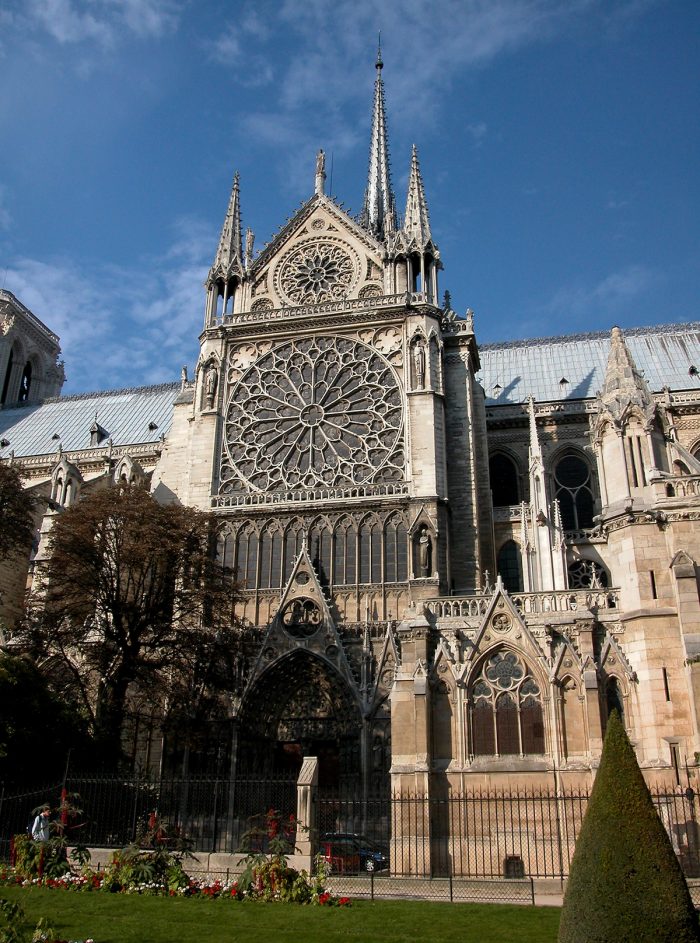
[[349, 853]]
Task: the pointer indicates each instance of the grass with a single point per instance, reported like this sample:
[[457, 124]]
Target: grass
[[113, 918]]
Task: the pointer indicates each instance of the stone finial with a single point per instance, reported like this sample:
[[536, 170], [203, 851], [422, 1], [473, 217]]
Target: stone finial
[[624, 386]]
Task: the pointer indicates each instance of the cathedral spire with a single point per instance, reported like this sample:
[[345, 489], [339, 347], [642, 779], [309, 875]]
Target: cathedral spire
[[416, 220], [228, 269], [229, 254], [379, 210]]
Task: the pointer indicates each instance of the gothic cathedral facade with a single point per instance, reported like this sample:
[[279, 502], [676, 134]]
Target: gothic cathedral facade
[[451, 570]]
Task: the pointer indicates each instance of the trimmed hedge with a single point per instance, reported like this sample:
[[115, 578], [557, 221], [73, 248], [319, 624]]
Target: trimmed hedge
[[625, 884]]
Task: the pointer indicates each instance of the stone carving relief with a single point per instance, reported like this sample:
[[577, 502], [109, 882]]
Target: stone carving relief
[[387, 341], [240, 358], [315, 412]]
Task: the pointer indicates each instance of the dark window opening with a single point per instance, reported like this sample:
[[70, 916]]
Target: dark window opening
[[505, 487], [25, 383], [509, 566], [6, 384]]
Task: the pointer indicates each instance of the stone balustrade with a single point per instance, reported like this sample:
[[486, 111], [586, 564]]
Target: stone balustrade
[[554, 601]]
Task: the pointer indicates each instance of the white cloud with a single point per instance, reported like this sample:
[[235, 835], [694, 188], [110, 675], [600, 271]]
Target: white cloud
[[477, 132], [100, 22], [122, 327], [610, 295], [226, 49], [324, 87], [66, 23], [5, 215], [148, 17]]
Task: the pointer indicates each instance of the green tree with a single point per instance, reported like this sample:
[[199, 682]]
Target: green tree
[[625, 885], [37, 729], [130, 587], [16, 512]]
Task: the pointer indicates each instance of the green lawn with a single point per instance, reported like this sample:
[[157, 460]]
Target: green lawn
[[112, 918]]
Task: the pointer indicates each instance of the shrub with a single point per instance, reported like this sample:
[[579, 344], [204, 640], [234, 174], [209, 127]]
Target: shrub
[[625, 884]]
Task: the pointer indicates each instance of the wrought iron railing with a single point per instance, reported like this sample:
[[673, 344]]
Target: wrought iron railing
[[508, 835]]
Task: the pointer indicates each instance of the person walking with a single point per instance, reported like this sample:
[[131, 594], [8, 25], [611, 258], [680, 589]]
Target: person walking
[[40, 828]]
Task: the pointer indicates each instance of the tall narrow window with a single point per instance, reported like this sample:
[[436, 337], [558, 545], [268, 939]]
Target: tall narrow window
[[320, 552], [613, 700], [506, 716], [344, 547], [270, 559], [292, 547], [509, 567], [573, 488], [8, 374], [505, 486], [247, 557], [25, 383], [395, 551]]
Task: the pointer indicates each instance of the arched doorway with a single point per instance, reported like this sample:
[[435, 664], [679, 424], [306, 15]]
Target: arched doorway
[[300, 706]]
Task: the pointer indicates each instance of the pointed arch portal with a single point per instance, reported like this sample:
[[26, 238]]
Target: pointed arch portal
[[298, 707]]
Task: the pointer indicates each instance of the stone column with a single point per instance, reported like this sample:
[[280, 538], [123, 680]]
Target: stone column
[[410, 751]]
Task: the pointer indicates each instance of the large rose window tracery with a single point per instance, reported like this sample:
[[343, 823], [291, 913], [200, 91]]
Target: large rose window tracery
[[316, 272], [314, 413]]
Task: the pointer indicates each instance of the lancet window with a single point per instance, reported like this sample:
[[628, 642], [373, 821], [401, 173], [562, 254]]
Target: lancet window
[[574, 490], [505, 484], [343, 553], [505, 706], [509, 566]]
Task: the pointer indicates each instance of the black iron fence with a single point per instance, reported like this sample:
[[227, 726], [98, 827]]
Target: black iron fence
[[213, 815], [509, 835]]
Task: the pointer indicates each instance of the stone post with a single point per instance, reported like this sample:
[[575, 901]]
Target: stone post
[[307, 808]]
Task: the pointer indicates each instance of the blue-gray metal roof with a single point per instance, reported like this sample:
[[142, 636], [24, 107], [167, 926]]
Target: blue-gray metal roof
[[129, 417], [513, 371]]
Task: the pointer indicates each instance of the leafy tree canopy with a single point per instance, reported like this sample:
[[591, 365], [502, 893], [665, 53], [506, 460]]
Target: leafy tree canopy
[[625, 884], [37, 729], [16, 507], [132, 591]]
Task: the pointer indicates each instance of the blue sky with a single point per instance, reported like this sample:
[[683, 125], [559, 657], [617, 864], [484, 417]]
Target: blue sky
[[559, 144]]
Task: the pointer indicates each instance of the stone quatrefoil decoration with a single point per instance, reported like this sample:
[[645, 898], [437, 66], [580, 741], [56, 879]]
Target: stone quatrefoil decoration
[[314, 413]]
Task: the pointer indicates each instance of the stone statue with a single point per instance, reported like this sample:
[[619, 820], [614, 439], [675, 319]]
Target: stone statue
[[183, 377], [419, 364], [320, 172], [424, 548], [211, 381], [249, 244]]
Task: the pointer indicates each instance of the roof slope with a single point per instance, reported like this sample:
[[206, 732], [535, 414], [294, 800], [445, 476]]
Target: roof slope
[[513, 371], [129, 417]]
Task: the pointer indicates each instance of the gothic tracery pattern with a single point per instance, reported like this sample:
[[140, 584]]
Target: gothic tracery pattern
[[315, 412], [316, 272], [506, 708]]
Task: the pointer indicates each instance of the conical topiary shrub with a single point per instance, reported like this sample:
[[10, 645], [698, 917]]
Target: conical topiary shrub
[[625, 884]]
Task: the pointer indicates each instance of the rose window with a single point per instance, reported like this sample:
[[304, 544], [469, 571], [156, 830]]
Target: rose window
[[317, 272], [314, 413]]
